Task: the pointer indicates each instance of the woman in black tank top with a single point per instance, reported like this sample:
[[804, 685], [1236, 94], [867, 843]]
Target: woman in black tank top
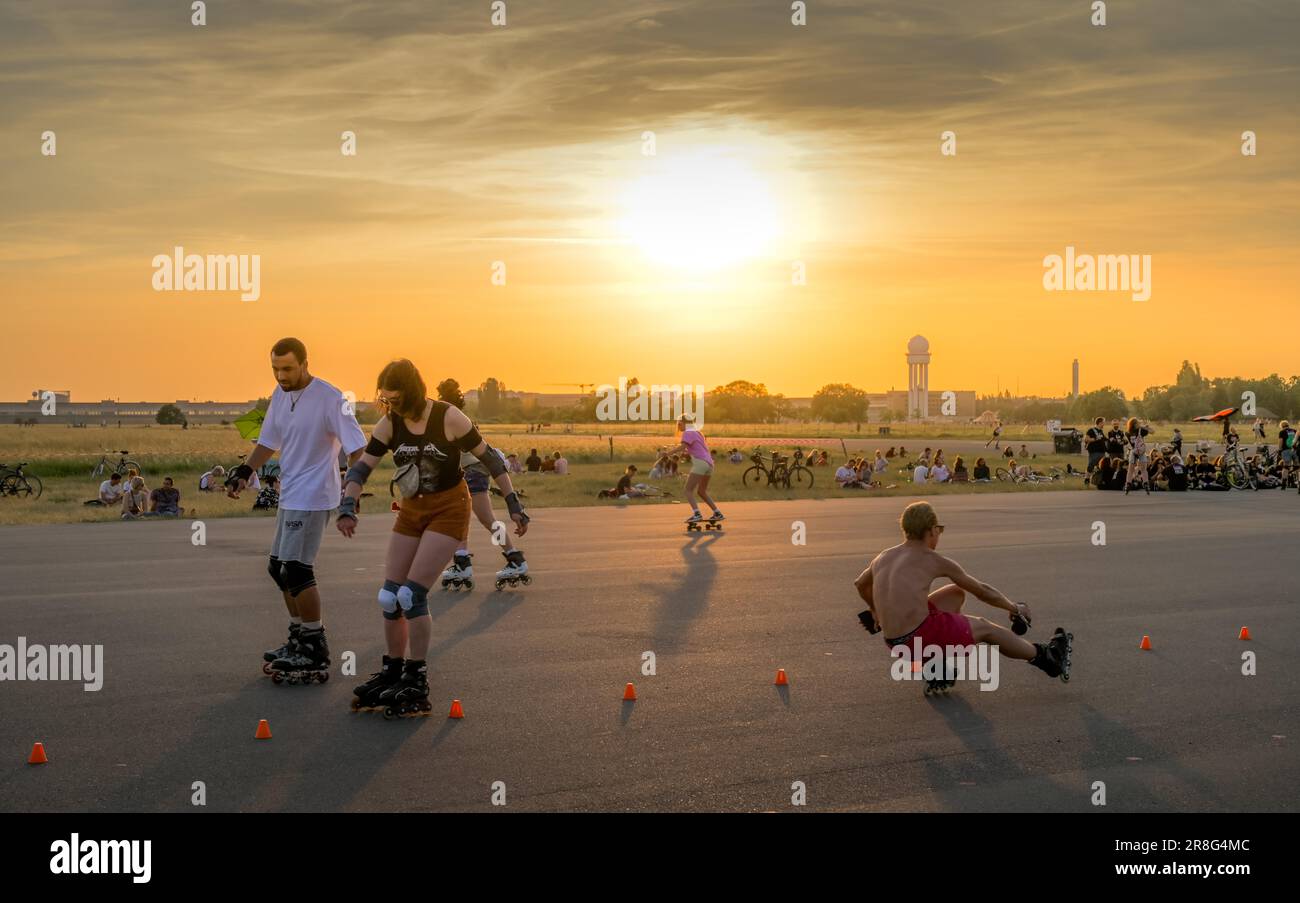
[[436, 456], [432, 521]]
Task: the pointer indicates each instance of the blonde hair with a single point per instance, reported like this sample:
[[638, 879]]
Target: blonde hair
[[917, 518]]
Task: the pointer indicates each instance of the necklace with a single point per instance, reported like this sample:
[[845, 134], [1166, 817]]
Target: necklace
[[293, 402]]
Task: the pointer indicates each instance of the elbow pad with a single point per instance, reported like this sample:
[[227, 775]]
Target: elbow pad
[[358, 473], [494, 461], [470, 440]]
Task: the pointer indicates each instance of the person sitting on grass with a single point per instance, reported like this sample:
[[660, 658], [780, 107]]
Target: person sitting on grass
[[512, 463], [135, 501], [890, 453], [735, 457], [269, 497], [959, 472], [1176, 473], [533, 462], [1120, 476], [847, 477], [660, 468], [920, 473], [1009, 453], [548, 464], [166, 500], [561, 465], [214, 480], [624, 489], [982, 474], [110, 492], [939, 473]]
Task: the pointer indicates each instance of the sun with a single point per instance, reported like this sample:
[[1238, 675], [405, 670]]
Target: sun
[[702, 211]]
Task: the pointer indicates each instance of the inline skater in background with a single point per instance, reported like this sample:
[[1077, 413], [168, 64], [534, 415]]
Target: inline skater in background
[[477, 479]]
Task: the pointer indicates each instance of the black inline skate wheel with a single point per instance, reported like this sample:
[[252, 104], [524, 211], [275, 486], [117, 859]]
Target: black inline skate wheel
[[501, 584], [389, 713], [277, 677], [526, 579], [324, 676], [469, 584]]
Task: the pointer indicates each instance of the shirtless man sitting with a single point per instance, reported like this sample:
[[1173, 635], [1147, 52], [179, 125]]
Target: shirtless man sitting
[[896, 588]]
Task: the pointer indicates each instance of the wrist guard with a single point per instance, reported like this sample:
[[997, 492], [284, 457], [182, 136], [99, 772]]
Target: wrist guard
[[348, 508], [514, 506]]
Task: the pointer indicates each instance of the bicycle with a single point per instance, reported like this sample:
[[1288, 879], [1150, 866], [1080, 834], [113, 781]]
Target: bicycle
[[14, 482], [1054, 475], [122, 466], [1235, 469], [780, 473]]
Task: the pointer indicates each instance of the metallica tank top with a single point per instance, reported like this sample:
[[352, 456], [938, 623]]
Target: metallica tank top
[[436, 456]]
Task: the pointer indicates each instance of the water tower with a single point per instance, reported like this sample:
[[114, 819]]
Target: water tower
[[918, 378]]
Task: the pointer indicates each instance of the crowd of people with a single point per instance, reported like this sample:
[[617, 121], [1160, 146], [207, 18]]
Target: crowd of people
[[1123, 459], [134, 500]]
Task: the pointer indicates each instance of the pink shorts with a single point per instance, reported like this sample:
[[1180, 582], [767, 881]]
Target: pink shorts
[[940, 628]]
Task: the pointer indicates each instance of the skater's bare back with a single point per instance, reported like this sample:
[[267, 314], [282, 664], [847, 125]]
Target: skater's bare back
[[900, 579]]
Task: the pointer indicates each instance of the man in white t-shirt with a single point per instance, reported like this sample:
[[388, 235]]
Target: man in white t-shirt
[[920, 474], [111, 491], [307, 422]]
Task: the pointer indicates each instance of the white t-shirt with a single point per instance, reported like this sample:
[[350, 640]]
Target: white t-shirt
[[845, 474], [921, 472], [880, 465], [940, 473], [307, 427], [114, 493]]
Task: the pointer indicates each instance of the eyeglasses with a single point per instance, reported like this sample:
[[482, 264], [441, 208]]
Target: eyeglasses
[[938, 528]]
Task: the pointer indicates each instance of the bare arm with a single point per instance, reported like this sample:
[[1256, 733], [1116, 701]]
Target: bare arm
[[980, 590], [383, 432], [865, 587]]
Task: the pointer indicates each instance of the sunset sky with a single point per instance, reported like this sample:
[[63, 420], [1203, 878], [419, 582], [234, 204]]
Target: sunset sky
[[524, 144]]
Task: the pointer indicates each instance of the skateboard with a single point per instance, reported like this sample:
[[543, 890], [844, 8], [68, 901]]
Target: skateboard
[[703, 526]]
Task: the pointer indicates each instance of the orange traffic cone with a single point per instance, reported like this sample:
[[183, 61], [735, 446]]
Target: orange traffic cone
[[781, 679], [456, 710], [1244, 635], [1146, 642], [38, 755], [629, 695], [263, 730]]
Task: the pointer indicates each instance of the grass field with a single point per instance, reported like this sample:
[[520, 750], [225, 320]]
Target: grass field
[[63, 457]]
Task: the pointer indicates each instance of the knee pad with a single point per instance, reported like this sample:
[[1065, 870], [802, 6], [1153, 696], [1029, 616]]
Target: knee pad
[[414, 599], [388, 600], [277, 573], [298, 577]]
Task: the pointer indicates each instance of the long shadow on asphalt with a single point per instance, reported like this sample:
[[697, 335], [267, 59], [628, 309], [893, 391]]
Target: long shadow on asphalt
[[684, 602], [985, 762], [1109, 734]]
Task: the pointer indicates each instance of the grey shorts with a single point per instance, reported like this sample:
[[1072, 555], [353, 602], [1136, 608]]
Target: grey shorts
[[298, 534]]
